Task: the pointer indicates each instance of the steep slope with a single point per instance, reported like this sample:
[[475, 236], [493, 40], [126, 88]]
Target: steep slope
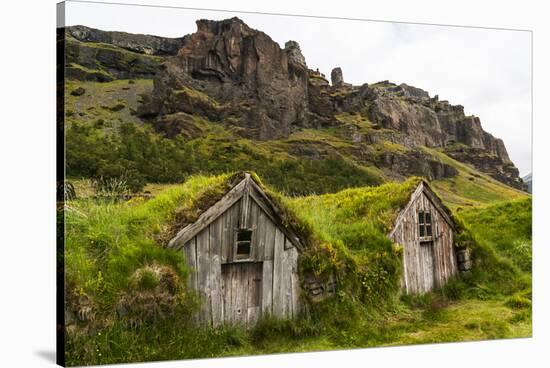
[[229, 93]]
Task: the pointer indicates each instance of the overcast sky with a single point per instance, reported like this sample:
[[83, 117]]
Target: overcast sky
[[487, 71]]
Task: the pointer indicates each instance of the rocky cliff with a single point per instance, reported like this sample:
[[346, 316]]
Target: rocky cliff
[[232, 74]]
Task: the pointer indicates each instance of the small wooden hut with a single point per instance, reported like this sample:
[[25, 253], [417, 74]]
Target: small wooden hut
[[425, 229], [243, 258]]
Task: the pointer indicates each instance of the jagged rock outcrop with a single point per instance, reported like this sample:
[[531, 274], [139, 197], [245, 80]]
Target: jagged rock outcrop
[[242, 73], [429, 122], [230, 73], [294, 53], [416, 163], [337, 77], [94, 55], [144, 44]]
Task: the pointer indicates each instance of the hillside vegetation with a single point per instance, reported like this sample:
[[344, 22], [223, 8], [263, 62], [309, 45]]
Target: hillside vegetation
[[149, 145], [128, 297]]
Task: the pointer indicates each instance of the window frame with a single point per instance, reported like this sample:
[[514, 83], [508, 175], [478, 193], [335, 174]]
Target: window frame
[[237, 242], [425, 225]]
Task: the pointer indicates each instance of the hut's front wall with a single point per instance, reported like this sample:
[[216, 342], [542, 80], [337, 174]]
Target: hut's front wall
[[237, 291], [426, 264]]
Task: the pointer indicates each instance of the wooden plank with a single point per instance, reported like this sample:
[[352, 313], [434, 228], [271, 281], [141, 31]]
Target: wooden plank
[[203, 276], [190, 253], [227, 277], [254, 293], [286, 291], [278, 295], [258, 233], [406, 211], [216, 232], [267, 288], [269, 233], [231, 226], [245, 206], [261, 235], [436, 202], [208, 216], [258, 195], [240, 291], [295, 282]]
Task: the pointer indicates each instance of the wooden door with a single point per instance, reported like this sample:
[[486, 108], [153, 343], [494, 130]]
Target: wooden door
[[241, 290], [427, 265]]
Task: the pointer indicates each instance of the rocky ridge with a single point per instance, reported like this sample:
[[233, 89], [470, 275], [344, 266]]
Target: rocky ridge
[[230, 73]]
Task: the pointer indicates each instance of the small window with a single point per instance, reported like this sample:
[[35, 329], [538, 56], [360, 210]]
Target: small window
[[424, 223], [244, 244], [428, 221]]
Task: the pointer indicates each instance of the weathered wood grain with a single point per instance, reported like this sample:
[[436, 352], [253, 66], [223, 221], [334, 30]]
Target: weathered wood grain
[[232, 225], [267, 287], [208, 216], [240, 294], [254, 293], [227, 288], [286, 283], [294, 282], [274, 213], [216, 233], [425, 268], [203, 276], [278, 270], [269, 232], [243, 291]]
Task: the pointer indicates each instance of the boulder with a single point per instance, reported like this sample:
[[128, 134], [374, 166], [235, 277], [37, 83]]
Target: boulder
[[337, 77], [78, 91]]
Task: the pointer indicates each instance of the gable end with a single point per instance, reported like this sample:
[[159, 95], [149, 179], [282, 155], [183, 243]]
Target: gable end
[[245, 190]]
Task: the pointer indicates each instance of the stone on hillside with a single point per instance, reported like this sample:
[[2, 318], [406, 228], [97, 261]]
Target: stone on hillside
[[337, 77], [78, 91], [294, 53]]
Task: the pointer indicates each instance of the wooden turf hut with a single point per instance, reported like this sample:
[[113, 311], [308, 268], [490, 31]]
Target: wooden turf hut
[[425, 229], [243, 258]]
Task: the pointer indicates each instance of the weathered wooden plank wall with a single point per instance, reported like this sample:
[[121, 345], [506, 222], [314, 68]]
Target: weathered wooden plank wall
[[240, 292], [428, 265]]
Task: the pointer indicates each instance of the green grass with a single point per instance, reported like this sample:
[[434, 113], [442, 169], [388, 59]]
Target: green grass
[[102, 57], [470, 188], [112, 249], [507, 227], [88, 107], [109, 148], [197, 95], [107, 241]]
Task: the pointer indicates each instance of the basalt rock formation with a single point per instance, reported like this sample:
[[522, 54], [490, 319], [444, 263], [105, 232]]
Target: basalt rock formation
[[232, 74]]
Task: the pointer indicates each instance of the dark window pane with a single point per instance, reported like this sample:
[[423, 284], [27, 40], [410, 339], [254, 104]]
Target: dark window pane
[[421, 230], [428, 217], [244, 245], [244, 235], [428, 230], [420, 217], [243, 250]]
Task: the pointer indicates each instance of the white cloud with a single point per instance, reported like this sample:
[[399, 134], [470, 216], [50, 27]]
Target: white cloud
[[487, 71]]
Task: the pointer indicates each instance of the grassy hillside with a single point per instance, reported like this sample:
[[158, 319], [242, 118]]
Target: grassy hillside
[[470, 187], [507, 227], [105, 138], [127, 298]]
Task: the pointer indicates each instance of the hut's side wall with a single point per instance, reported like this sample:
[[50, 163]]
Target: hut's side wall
[[241, 292], [425, 268]]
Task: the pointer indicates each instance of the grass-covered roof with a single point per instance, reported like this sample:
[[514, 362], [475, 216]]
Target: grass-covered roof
[[120, 275]]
